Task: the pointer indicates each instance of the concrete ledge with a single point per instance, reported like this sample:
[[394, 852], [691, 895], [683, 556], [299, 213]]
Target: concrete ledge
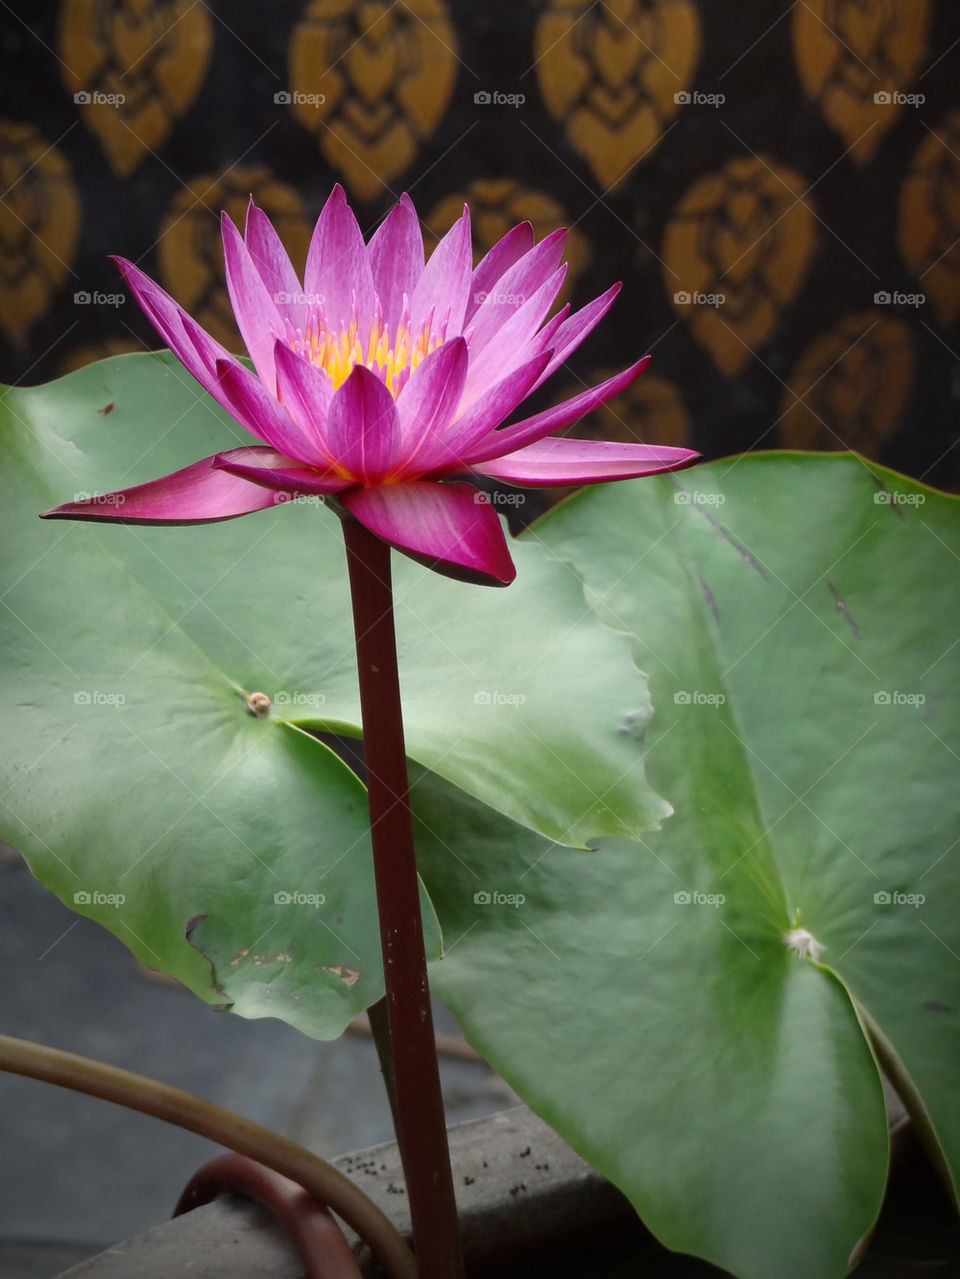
[[520, 1190]]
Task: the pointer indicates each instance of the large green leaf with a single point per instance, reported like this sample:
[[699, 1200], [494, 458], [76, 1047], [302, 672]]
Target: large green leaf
[[790, 624], [132, 766], [268, 597]]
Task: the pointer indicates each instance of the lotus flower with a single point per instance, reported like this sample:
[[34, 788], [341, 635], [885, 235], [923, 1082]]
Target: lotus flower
[[383, 383]]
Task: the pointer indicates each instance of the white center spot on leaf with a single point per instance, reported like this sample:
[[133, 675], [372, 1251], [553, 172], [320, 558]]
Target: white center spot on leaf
[[804, 944]]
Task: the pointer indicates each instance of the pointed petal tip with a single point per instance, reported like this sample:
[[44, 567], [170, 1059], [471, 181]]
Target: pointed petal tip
[[568, 460]]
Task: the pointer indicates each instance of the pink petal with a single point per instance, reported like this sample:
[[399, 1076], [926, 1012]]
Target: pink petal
[[338, 274], [446, 452], [257, 317], [430, 398], [452, 528], [513, 288], [572, 332], [507, 250], [510, 346], [546, 334], [499, 443], [396, 258], [567, 461], [275, 471], [363, 427], [263, 414], [274, 266], [305, 392], [198, 494], [445, 282], [167, 317]]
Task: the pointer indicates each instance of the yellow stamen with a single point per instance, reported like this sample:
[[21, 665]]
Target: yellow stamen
[[338, 354]]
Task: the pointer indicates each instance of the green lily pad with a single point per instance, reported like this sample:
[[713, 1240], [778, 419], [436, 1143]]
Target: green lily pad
[[690, 1010], [134, 768]]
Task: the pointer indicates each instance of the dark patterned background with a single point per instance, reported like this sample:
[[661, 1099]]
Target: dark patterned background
[[816, 166]]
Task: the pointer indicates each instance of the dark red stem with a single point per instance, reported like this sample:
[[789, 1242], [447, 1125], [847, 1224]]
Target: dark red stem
[[422, 1133]]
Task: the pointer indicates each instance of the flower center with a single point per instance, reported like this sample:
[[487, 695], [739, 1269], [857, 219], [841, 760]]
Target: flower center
[[391, 356]]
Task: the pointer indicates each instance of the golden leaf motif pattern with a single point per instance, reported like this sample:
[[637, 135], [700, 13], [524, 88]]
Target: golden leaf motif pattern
[[850, 387], [736, 252], [372, 80], [610, 72], [138, 64], [497, 204], [854, 57], [929, 222], [190, 250], [39, 227], [650, 411]]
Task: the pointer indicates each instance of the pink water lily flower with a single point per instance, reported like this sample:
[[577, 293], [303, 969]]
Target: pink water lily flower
[[385, 382]]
